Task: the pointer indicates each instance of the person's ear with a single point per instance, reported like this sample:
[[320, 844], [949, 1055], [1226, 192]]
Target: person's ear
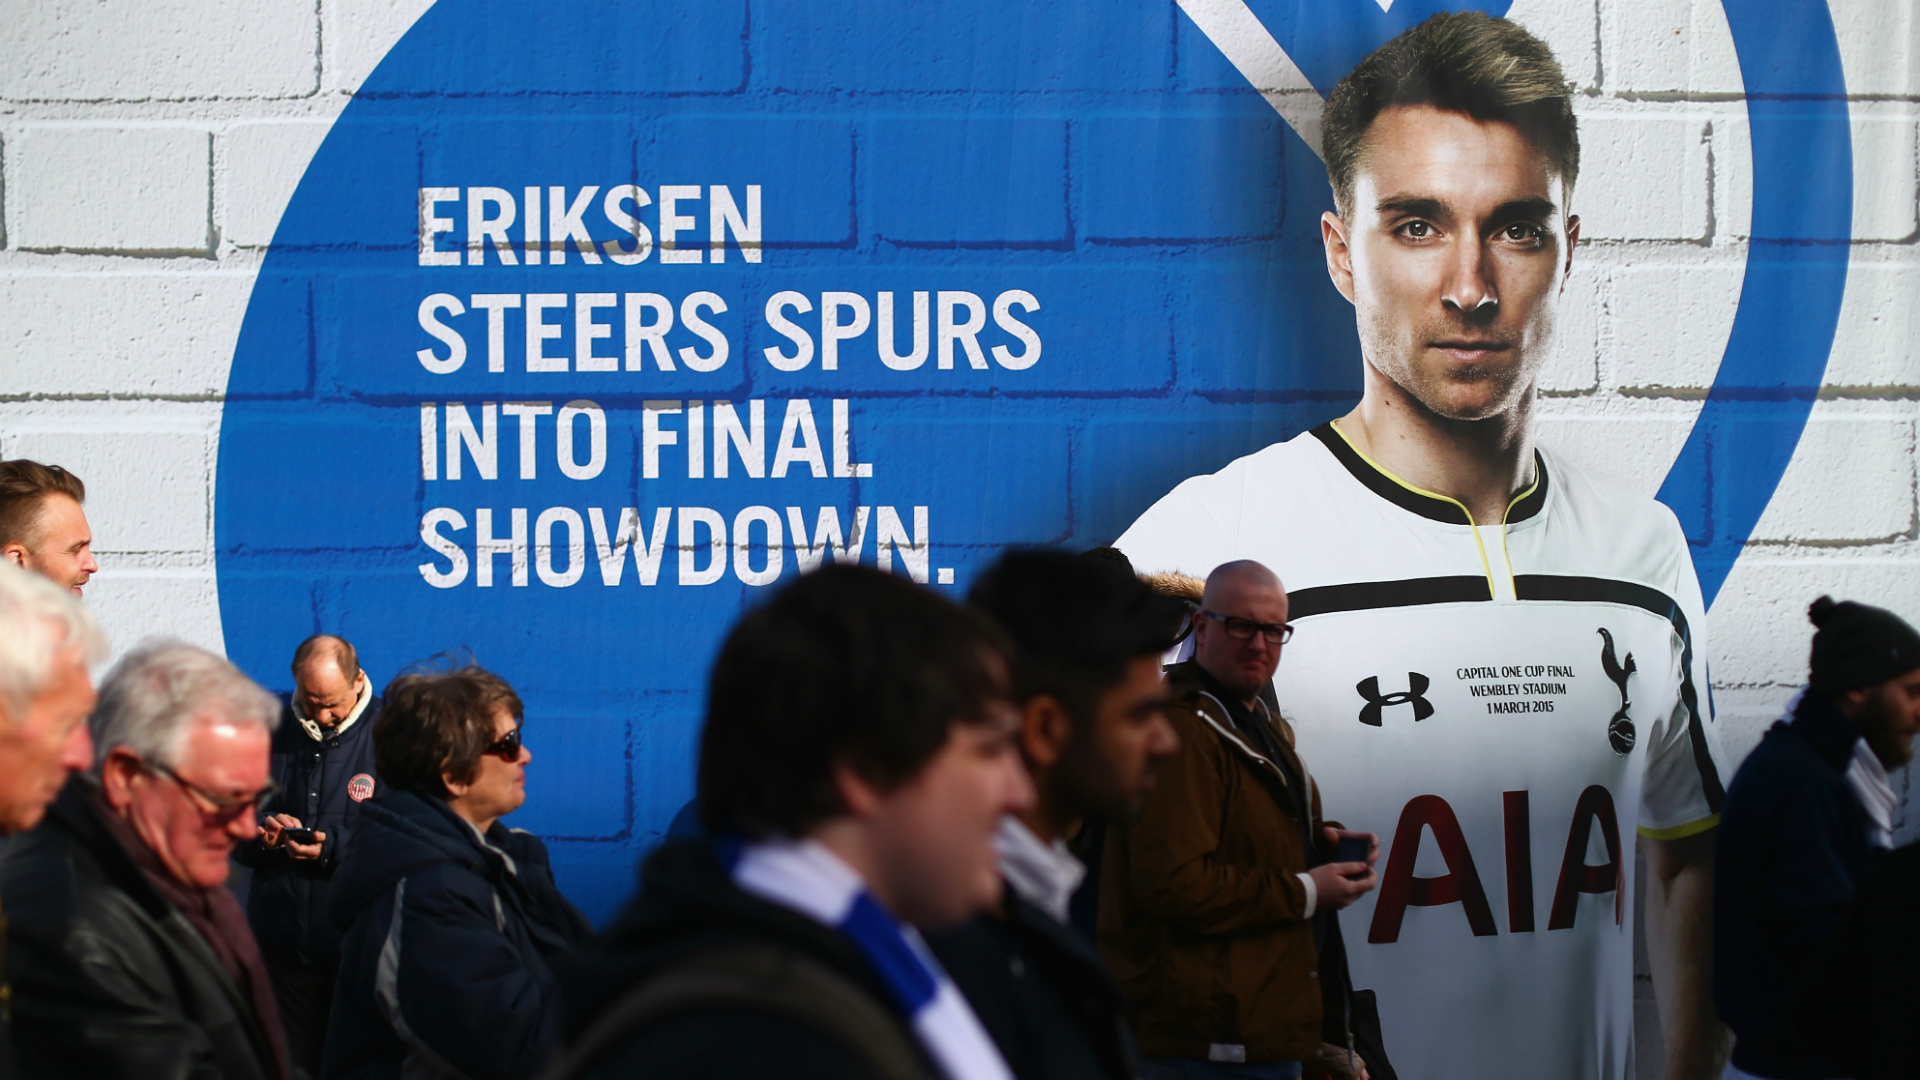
[[1573, 241], [1333, 235], [15, 553], [117, 775], [455, 788], [1045, 730], [857, 794], [1852, 701]]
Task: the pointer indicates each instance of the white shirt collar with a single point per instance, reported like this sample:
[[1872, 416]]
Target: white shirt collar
[[1045, 875], [1868, 778]]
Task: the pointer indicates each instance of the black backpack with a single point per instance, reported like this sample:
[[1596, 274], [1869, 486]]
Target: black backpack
[[758, 976]]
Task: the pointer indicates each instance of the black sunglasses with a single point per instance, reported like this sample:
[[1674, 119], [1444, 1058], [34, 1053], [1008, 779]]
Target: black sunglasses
[[1244, 629], [506, 747]]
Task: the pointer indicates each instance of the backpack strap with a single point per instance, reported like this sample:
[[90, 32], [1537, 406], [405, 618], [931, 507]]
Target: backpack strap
[[760, 977]]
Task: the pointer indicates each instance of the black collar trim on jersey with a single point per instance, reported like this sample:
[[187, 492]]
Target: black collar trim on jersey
[[1368, 595], [1427, 505]]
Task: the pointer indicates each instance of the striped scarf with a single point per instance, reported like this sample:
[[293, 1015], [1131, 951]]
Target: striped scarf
[[806, 877]]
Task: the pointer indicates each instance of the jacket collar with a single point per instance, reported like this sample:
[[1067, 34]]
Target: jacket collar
[[77, 810], [1188, 680], [1043, 874], [319, 734], [1819, 721]]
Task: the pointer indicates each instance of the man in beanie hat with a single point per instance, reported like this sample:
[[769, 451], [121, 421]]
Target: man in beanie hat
[[1806, 818]]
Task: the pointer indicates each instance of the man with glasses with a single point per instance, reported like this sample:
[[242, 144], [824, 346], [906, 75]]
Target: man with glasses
[[323, 762], [128, 956], [1208, 899]]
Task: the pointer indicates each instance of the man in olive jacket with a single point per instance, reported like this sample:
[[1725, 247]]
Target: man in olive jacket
[[1207, 900]]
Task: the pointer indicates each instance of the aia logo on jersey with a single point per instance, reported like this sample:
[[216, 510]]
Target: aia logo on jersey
[[1414, 695], [1619, 729], [360, 788], [1461, 884]]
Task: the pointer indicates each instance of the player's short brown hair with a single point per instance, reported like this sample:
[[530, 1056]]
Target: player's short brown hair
[[24, 488], [1461, 61]]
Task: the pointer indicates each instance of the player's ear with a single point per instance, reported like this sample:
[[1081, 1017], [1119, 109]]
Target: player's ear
[[1333, 234], [1573, 241]]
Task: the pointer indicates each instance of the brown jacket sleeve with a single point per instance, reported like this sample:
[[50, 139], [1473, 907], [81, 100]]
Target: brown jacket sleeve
[[1178, 872]]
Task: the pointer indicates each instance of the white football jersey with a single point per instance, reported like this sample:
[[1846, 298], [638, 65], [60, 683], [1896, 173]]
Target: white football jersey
[[1505, 705]]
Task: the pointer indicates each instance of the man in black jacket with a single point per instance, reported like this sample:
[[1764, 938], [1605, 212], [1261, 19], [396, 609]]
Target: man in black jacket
[[323, 763], [1863, 998], [857, 756], [129, 958], [1805, 821], [1087, 639]]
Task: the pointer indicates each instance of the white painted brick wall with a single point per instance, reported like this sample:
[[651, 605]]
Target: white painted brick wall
[[1664, 149], [259, 167], [1668, 47], [102, 330], [169, 50], [1850, 482], [138, 190], [1668, 318]]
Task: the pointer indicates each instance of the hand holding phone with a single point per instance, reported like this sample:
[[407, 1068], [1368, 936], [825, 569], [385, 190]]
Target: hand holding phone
[[305, 836]]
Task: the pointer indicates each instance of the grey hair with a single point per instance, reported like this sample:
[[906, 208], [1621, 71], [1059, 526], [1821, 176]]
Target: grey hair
[[39, 620], [156, 693]]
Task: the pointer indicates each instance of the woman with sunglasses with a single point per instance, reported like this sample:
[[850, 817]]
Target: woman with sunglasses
[[451, 920]]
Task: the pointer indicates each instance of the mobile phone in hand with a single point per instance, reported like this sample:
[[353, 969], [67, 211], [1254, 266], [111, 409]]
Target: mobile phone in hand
[[305, 836], [1351, 849]]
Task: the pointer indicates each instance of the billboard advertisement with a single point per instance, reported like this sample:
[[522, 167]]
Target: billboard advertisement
[[590, 324]]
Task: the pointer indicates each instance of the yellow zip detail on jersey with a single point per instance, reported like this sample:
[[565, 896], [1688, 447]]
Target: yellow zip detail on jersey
[[1472, 526], [1691, 828], [1504, 553]]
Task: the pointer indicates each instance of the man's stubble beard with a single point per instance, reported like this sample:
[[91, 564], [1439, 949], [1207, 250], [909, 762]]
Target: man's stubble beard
[[1514, 384], [1879, 724]]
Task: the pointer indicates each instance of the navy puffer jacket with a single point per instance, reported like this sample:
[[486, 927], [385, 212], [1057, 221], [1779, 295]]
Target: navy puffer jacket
[[447, 946], [325, 784]]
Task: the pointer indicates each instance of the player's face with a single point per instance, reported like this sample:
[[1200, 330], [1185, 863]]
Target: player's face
[[1455, 258]]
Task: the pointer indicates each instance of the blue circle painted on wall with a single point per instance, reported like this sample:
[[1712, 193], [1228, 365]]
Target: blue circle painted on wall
[[589, 323]]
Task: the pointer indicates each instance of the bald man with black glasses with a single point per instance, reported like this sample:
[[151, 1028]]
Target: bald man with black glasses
[[1210, 896]]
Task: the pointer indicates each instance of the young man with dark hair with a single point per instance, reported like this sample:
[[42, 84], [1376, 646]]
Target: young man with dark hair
[[1086, 639], [857, 758], [1499, 661], [42, 527], [1808, 817]]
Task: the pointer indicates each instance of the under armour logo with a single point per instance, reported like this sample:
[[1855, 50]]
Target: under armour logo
[[1369, 688], [1619, 729]]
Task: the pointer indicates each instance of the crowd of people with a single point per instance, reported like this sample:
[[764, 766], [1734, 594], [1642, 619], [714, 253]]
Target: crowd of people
[[1067, 829], [1004, 839]]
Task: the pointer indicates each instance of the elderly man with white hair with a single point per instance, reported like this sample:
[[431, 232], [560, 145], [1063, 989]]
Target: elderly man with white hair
[[47, 641], [128, 958]]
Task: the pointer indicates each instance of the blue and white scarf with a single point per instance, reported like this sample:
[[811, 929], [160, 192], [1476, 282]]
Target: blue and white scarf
[[806, 877]]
